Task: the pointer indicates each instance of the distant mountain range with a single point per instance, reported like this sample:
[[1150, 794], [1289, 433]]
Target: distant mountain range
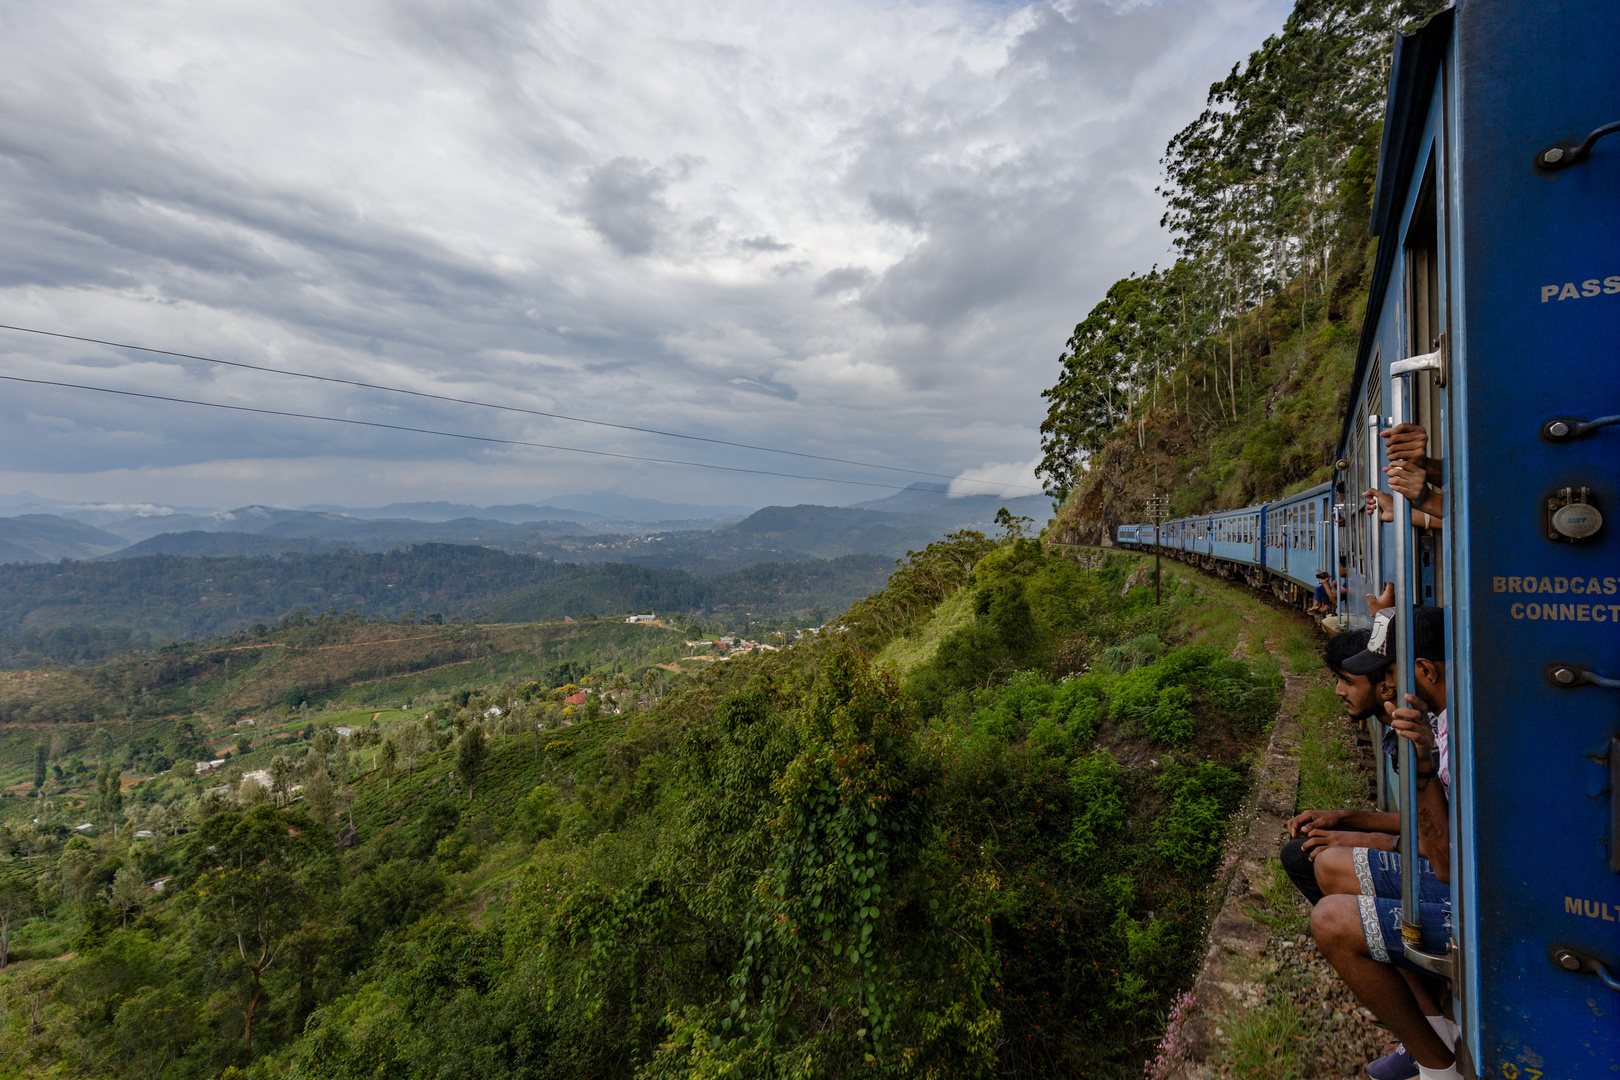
[[47, 538], [936, 501], [598, 506], [172, 574], [601, 506], [82, 610], [885, 527]]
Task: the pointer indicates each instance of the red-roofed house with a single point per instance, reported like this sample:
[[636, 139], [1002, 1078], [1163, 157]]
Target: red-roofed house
[[575, 699]]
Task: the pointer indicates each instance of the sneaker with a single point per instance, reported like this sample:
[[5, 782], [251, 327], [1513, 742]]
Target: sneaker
[[1395, 1065]]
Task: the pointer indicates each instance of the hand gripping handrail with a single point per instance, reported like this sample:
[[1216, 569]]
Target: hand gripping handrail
[[1406, 680]]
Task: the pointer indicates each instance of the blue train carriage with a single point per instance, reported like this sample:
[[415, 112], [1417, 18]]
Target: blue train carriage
[[1297, 542], [1494, 320], [1279, 545]]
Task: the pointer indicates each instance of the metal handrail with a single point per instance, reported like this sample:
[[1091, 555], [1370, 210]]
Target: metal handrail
[[1405, 680]]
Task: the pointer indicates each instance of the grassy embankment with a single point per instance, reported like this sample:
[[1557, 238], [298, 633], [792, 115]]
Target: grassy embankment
[[1305, 1022]]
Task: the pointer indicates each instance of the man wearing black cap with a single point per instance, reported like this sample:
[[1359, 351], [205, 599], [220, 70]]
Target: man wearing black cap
[[1359, 928], [1313, 831]]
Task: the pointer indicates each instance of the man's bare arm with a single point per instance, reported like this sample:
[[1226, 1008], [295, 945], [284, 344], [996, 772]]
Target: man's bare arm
[[1433, 822]]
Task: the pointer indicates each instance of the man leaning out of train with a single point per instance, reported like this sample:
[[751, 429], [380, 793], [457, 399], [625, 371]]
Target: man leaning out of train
[[1353, 852], [1359, 929]]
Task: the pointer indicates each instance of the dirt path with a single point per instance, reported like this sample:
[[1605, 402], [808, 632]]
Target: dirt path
[[1266, 1004]]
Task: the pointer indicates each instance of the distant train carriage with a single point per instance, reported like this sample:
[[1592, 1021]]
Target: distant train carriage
[[1493, 322]]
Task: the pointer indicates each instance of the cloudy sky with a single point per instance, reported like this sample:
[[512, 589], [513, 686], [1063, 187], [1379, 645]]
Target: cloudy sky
[[857, 230]]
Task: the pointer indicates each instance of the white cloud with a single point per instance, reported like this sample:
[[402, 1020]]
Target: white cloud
[[1011, 479], [853, 229]]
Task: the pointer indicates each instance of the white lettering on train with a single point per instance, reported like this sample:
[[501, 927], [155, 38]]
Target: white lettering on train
[[1590, 287], [1586, 587]]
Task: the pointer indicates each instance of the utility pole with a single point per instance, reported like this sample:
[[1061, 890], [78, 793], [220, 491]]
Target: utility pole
[[1157, 505]]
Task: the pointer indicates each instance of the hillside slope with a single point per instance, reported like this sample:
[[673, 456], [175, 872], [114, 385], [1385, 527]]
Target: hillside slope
[[1294, 387], [567, 861]]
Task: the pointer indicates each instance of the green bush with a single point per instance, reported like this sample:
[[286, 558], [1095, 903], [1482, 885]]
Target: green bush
[[1199, 799], [1171, 722], [1099, 808]]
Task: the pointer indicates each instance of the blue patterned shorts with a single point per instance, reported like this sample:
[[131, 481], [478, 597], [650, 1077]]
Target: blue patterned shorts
[[1381, 926], [1379, 873]]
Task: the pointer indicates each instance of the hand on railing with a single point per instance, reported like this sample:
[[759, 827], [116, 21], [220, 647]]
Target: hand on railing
[[1375, 501], [1409, 442], [1424, 516], [1412, 724], [1405, 442]]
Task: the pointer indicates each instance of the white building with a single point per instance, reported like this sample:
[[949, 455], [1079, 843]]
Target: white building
[[641, 618]]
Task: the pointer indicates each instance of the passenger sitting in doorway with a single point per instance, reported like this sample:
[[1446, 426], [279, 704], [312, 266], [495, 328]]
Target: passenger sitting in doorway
[[1332, 851], [1357, 923], [1340, 851], [1325, 602], [1327, 594]]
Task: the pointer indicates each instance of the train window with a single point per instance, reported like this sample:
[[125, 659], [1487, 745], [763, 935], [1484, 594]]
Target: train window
[[1310, 536], [1423, 271], [1423, 305]]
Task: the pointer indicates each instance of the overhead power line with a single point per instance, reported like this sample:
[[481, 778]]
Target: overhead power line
[[512, 409], [444, 434]]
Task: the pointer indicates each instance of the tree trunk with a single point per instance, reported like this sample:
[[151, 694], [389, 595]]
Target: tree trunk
[[252, 1007]]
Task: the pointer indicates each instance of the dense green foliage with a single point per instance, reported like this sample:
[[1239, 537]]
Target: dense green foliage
[[799, 864], [1218, 377], [75, 611]]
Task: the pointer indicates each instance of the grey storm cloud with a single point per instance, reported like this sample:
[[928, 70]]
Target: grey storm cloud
[[720, 220], [763, 243], [844, 279], [624, 202]]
